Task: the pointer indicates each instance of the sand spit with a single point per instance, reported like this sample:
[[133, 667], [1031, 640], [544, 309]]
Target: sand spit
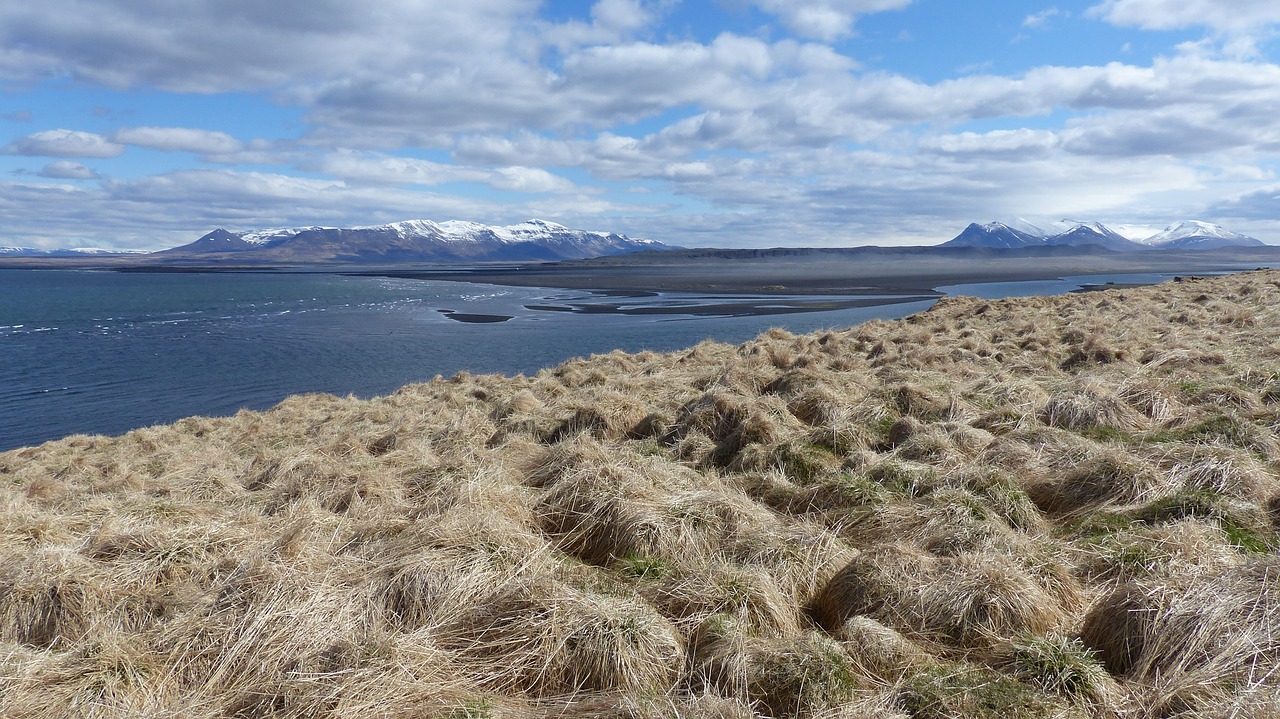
[[1033, 507]]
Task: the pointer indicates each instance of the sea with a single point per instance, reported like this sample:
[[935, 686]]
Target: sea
[[104, 352]]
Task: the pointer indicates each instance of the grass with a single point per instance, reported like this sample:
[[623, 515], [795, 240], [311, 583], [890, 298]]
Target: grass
[[1029, 507]]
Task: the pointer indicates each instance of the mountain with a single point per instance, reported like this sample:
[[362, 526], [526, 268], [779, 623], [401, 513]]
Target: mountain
[[1187, 235], [413, 240], [73, 252], [1094, 233], [1196, 235], [994, 234]]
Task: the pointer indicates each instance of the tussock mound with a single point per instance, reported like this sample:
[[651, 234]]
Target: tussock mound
[[1199, 644], [1029, 507]]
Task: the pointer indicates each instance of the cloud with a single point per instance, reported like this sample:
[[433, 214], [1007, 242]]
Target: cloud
[[371, 168], [1163, 133], [1042, 18], [1228, 16], [63, 143], [1010, 144], [772, 132], [1260, 204], [257, 46], [178, 139], [528, 179], [825, 19], [621, 15], [67, 170], [17, 116]]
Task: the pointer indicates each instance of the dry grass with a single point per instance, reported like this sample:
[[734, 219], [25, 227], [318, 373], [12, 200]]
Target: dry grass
[[1028, 507]]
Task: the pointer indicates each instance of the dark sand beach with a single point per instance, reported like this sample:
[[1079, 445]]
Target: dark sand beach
[[842, 271]]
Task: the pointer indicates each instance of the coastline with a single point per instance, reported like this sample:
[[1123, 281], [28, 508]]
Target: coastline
[[951, 510], [780, 271], [847, 271]]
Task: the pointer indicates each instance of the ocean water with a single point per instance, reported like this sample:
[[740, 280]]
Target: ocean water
[[100, 352], [106, 352]]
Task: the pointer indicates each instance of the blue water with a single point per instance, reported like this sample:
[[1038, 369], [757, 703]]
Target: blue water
[[106, 352]]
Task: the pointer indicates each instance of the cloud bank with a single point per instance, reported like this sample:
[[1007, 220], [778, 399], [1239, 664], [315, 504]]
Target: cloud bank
[[770, 124]]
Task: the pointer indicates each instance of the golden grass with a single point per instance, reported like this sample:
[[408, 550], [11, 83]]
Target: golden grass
[[1028, 507]]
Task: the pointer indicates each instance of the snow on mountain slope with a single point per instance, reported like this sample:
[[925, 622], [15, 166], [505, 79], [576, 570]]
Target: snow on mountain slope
[[1194, 234], [1186, 235], [415, 240]]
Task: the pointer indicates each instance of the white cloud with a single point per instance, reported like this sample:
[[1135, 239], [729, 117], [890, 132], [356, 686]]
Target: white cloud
[[1229, 16], [63, 143], [529, 179], [1042, 18], [825, 19], [732, 132], [125, 44], [620, 15], [1021, 143], [67, 170], [389, 170], [178, 139]]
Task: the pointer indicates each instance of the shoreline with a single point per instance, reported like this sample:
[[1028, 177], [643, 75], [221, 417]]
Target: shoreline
[[855, 271], [960, 507]]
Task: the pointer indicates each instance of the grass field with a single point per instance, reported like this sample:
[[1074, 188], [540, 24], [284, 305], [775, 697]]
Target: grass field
[[1035, 507]]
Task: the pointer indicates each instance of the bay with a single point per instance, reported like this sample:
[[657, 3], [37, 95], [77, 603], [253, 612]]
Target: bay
[[99, 352]]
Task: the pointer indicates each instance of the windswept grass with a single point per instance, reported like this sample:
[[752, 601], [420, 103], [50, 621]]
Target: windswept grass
[[1019, 508]]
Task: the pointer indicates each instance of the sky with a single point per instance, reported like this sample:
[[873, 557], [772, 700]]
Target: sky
[[143, 124]]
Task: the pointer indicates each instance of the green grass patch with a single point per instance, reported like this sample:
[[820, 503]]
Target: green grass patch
[[473, 709], [1061, 665], [805, 462], [1006, 499], [1107, 433], [903, 479], [952, 691], [640, 567]]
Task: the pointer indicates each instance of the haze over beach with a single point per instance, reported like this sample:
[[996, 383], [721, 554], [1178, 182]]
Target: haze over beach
[[731, 123]]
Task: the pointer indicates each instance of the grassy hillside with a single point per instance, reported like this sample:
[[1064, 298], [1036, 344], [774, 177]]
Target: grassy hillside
[[1018, 508]]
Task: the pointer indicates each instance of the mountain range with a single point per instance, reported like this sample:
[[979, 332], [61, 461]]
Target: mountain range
[[1185, 235], [539, 240], [74, 252], [413, 241]]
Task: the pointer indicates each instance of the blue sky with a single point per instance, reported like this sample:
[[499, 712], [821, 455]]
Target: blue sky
[[752, 123]]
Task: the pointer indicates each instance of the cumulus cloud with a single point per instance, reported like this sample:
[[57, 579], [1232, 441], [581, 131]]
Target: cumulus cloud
[[1221, 15], [67, 170], [743, 128], [1021, 144], [63, 143], [178, 139], [390, 170], [256, 46]]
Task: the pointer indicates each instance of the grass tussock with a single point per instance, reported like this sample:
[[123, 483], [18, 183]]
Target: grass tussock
[[1029, 507]]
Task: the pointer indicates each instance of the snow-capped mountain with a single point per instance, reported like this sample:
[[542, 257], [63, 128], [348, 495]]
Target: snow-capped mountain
[[995, 234], [72, 252], [413, 240], [1193, 235], [1093, 233], [1197, 235]]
